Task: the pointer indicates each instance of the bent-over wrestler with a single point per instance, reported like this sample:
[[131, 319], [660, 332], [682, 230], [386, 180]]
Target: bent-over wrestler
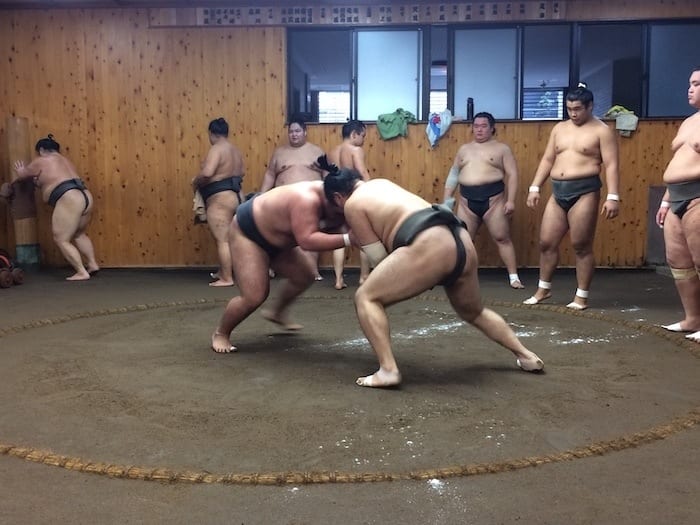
[[272, 230], [62, 188], [413, 247]]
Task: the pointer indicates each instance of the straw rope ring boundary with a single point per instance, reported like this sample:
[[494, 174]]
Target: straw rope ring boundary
[[165, 475]]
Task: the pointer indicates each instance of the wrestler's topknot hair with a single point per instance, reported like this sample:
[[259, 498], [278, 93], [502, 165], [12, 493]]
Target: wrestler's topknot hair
[[219, 127], [342, 181], [580, 93], [49, 144]]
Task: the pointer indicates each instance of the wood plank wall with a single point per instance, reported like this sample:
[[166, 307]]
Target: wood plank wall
[[130, 105]]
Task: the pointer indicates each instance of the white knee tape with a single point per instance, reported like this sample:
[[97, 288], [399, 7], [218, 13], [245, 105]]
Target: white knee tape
[[682, 274]]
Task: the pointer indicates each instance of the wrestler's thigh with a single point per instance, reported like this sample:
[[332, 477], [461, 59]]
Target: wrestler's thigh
[[413, 269], [220, 210], [465, 294], [691, 230], [471, 219], [677, 252], [554, 223], [250, 264], [65, 220], [497, 222], [583, 217]]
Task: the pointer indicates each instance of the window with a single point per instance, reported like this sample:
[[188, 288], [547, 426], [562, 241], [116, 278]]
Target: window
[[543, 103], [671, 60], [486, 70], [521, 71], [388, 72], [546, 58], [320, 74], [611, 65]]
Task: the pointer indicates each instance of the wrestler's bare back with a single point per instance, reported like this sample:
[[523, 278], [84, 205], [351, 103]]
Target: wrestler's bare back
[[371, 205], [225, 160], [52, 169]]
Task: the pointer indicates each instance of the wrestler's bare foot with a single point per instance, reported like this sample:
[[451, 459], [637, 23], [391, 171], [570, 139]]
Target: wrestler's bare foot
[[221, 344], [318, 277], [79, 276], [516, 284], [380, 379], [278, 320], [340, 284], [93, 270], [540, 295], [220, 282], [530, 362]]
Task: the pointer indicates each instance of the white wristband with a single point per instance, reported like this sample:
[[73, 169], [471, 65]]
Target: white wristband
[[534, 189], [665, 204], [613, 197], [346, 239]]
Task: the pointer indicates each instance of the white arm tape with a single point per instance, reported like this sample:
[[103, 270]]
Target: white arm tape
[[375, 252], [452, 177], [665, 204], [533, 189], [346, 239]]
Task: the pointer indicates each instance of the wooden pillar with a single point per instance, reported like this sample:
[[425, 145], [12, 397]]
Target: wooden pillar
[[22, 202]]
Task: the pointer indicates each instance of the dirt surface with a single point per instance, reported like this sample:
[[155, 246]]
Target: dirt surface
[[117, 371]]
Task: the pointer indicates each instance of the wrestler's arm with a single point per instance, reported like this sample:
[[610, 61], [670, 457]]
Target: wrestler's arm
[[270, 176], [664, 205], [33, 169], [543, 170], [452, 180], [305, 213], [609, 155], [208, 168], [358, 162], [510, 177]]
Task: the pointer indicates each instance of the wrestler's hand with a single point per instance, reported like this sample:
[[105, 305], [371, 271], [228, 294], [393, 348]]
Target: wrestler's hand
[[18, 165], [533, 199], [661, 216], [508, 208], [610, 209]]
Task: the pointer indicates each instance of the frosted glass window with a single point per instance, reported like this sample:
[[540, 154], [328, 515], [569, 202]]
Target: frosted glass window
[[486, 69], [611, 65], [388, 72], [671, 61]]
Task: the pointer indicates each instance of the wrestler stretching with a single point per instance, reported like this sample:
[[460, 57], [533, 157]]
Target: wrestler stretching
[[62, 188]]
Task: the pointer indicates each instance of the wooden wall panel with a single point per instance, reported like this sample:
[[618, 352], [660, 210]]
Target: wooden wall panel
[[130, 105]]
